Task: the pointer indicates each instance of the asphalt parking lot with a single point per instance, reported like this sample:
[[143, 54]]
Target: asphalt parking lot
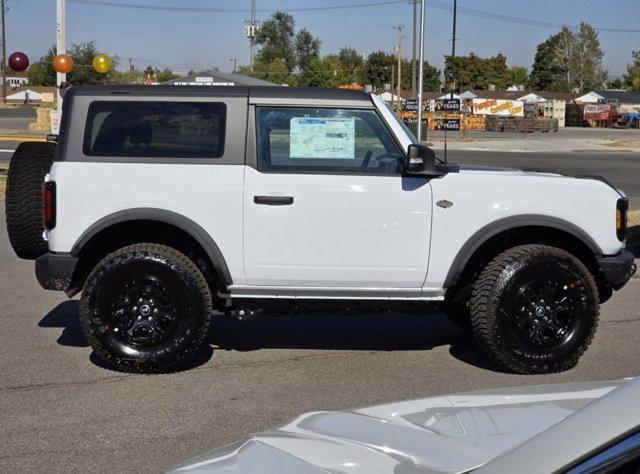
[[61, 411]]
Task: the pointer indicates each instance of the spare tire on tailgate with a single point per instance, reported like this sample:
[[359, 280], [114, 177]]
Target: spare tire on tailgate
[[29, 165]]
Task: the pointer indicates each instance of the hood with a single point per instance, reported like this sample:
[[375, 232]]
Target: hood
[[453, 433], [475, 169]]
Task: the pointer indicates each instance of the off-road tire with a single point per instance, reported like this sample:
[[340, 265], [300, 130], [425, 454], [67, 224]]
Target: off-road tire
[[29, 165], [181, 278], [497, 283]]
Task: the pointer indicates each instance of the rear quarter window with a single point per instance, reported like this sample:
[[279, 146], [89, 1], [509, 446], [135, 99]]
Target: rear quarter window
[[150, 129]]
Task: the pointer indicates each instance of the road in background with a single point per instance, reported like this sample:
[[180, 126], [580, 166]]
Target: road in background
[[621, 169], [61, 412]]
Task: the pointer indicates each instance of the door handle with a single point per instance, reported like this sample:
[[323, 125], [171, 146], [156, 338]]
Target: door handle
[[273, 200]]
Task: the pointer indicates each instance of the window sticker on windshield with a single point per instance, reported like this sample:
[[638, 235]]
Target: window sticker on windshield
[[322, 138]]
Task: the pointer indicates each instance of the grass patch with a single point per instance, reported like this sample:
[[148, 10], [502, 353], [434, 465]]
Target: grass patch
[[4, 167], [621, 143]]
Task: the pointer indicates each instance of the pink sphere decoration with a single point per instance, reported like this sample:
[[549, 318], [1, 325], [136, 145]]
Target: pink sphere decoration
[[18, 61]]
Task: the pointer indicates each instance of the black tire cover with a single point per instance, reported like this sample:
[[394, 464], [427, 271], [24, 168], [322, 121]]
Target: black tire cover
[[29, 165]]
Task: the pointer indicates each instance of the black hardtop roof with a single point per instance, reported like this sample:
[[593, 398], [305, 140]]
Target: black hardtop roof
[[261, 92]]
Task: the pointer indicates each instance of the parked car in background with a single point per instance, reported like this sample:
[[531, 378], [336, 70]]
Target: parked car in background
[[575, 428]]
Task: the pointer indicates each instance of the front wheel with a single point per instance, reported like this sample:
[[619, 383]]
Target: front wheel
[[534, 309], [145, 308]]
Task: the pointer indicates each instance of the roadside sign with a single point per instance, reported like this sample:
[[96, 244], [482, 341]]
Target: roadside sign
[[411, 105], [55, 122], [447, 105], [451, 125]]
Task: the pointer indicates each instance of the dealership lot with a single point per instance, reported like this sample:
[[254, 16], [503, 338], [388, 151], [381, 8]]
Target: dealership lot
[[62, 412]]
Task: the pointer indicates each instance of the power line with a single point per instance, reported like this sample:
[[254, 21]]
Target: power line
[[434, 3], [140, 6], [514, 19]]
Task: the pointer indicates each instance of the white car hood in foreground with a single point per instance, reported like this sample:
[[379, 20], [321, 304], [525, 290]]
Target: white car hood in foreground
[[453, 433]]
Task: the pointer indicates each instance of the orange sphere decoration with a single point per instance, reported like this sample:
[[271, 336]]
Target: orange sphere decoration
[[63, 63]]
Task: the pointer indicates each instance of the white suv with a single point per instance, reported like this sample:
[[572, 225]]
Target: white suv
[[162, 204]]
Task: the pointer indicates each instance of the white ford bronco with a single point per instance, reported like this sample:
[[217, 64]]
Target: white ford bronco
[[163, 204]]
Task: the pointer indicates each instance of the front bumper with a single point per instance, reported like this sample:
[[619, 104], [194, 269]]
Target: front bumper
[[55, 271], [617, 269]]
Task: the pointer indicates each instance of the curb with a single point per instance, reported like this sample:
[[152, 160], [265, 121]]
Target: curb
[[10, 138]]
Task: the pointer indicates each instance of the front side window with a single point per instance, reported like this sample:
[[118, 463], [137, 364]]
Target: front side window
[[148, 129], [316, 140]]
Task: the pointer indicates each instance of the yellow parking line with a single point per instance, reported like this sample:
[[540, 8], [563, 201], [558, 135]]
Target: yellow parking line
[[22, 139]]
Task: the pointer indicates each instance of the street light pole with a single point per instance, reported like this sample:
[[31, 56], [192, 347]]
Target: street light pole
[[421, 68], [61, 45]]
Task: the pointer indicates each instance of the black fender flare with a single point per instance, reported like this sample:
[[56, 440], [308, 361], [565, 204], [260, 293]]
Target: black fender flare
[[166, 217], [481, 236]]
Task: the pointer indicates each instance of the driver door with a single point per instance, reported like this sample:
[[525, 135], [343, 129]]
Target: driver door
[[327, 205]]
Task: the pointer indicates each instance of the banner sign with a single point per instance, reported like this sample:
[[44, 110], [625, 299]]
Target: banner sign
[[597, 112], [498, 107], [447, 105], [451, 125]]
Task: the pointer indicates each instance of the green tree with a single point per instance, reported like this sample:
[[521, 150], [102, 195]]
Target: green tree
[[589, 71], [519, 75], [378, 68], [307, 49], [578, 58], [545, 73], [353, 64], [323, 72], [275, 38], [41, 73], [632, 77], [615, 84], [159, 75], [474, 72], [276, 71]]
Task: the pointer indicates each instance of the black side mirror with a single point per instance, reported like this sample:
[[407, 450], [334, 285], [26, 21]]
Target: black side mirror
[[420, 160]]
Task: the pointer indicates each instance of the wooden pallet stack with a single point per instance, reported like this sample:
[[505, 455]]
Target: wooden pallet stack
[[529, 124]]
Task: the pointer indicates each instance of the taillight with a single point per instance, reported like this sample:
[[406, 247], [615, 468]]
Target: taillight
[[49, 205], [621, 219]]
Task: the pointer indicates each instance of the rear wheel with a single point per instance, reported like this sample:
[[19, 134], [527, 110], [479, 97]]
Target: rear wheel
[[30, 163], [534, 309], [145, 308]]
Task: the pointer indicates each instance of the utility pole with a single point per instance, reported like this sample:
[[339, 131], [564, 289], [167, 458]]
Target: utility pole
[[130, 65], [250, 30], [399, 53], [413, 52], [393, 82], [420, 70], [453, 49], [61, 45], [4, 52], [235, 64]]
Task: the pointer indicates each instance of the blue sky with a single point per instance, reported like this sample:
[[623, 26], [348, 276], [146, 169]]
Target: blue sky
[[197, 40]]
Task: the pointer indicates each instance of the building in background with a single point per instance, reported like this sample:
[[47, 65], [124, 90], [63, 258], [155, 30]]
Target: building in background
[[16, 81]]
